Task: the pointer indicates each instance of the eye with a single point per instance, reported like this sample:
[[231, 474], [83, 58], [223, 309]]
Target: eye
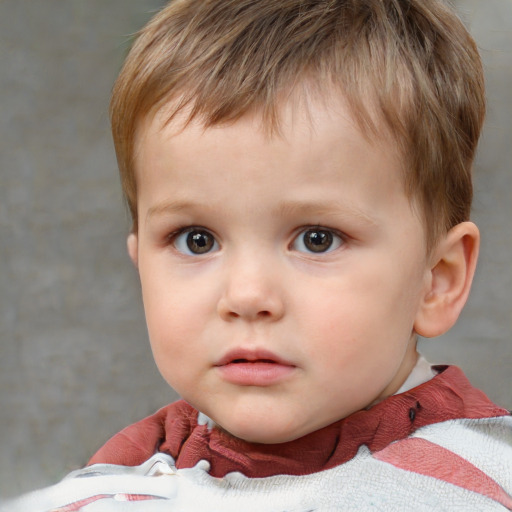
[[317, 240], [195, 241]]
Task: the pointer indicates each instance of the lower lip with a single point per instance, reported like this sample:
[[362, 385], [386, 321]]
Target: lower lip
[[255, 374]]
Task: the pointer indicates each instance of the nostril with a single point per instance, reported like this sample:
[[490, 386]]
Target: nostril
[[261, 315], [262, 307]]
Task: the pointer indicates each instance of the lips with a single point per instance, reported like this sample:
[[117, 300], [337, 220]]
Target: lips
[[251, 356], [254, 368]]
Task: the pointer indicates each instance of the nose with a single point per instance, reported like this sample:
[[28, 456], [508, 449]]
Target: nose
[[252, 291]]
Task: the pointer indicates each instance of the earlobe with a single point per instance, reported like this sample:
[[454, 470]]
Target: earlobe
[[132, 244], [451, 273]]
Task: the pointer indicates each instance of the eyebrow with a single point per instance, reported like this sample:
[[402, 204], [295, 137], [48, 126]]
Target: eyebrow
[[285, 209], [330, 208], [169, 207]]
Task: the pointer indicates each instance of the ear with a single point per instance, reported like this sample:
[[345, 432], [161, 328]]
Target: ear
[[452, 267], [132, 243]]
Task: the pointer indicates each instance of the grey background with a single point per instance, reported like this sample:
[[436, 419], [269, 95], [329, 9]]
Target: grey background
[[75, 365]]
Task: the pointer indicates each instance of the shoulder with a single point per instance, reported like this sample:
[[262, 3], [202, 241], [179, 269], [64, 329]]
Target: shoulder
[[471, 454], [136, 443]]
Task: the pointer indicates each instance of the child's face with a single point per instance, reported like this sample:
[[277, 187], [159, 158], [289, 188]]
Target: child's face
[[281, 276]]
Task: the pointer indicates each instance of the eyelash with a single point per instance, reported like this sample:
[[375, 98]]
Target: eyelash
[[334, 237], [173, 238], [327, 236]]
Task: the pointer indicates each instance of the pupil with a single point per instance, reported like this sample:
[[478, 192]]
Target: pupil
[[199, 242], [318, 241]]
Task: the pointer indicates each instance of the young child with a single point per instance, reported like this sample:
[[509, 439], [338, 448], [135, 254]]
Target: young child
[[299, 178]]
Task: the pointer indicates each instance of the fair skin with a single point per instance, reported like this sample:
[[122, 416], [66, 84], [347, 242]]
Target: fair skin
[[285, 277]]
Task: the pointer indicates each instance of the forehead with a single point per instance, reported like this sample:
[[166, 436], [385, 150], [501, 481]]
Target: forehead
[[300, 113], [318, 154]]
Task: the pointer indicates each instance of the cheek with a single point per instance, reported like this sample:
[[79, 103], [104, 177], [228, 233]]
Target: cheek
[[360, 309], [335, 326], [170, 301], [167, 319], [177, 311], [171, 334]]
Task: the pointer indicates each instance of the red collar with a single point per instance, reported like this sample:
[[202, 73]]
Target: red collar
[[174, 430]]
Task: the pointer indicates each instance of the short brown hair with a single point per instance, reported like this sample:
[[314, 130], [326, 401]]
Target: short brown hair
[[410, 61]]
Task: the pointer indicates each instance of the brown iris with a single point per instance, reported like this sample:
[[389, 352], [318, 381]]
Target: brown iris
[[200, 242], [318, 240]]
